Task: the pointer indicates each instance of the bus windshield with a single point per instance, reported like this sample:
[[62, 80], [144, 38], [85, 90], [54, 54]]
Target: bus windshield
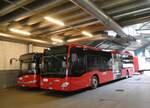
[[55, 62], [55, 65], [30, 63], [28, 67]]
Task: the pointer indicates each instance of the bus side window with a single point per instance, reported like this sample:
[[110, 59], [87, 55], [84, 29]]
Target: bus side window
[[74, 63], [77, 62], [103, 64], [110, 63], [74, 57], [105, 61], [92, 62]]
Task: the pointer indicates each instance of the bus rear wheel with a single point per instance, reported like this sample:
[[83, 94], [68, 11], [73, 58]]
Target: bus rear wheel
[[94, 82]]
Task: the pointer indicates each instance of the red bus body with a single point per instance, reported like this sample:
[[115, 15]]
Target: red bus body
[[26, 78], [130, 70], [32, 81], [136, 64], [73, 83]]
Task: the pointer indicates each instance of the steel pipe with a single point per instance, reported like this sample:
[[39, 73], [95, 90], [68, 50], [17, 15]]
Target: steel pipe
[[100, 15]]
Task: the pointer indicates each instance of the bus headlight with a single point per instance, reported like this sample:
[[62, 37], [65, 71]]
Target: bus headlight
[[64, 84], [20, 78], [45, 80]]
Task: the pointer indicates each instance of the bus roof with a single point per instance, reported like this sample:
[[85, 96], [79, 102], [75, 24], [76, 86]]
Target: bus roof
[[29, 56], [96, 49]]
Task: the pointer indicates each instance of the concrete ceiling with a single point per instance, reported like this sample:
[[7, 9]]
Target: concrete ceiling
[[101, 16]]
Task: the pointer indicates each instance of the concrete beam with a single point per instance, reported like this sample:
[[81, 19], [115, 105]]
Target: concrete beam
[[19, 39], [92, 9]]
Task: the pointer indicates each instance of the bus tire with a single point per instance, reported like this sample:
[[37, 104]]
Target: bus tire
[[94, 82]]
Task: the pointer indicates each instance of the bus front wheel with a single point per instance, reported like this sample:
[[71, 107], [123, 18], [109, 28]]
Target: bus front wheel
[[94, 82]]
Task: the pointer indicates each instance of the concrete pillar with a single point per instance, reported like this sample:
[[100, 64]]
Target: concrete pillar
[[30, 48]]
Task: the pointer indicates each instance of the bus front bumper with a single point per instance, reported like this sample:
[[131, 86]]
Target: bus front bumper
[[55, 84], [33, 83]]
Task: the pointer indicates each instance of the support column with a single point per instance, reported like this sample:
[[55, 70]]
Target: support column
[[30, 48]]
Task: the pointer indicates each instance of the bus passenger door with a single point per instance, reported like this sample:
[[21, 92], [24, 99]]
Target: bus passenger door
[[116, 66], [78, 68]]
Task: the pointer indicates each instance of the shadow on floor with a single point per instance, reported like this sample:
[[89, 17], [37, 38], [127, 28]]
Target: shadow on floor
[[27, 89], [63, 94], [59, 93], [69, 94]]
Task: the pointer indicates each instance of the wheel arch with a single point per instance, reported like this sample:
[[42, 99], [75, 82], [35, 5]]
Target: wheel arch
[[97, 77]]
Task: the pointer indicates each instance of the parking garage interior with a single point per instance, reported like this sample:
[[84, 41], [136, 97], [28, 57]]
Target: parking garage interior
[[44, 27]]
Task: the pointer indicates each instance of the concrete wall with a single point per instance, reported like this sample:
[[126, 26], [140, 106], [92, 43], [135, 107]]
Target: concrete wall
[[38, 49], [10, 50], [8, 78], [9, 72]]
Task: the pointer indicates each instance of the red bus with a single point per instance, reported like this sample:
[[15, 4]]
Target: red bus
[[73, 67], [29, 75], [128, 67]]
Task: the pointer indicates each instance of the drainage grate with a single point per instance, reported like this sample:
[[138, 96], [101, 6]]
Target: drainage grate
[[107, 100], [119, 90], [102, 100]]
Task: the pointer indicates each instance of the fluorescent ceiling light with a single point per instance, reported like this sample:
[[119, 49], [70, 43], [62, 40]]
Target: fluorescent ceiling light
[[72, 40], [19, 31], [57, 40], [54, 43], [54, 21], [23, 38], [107, 50], [87, 33], [144, 31], [4, 34]]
